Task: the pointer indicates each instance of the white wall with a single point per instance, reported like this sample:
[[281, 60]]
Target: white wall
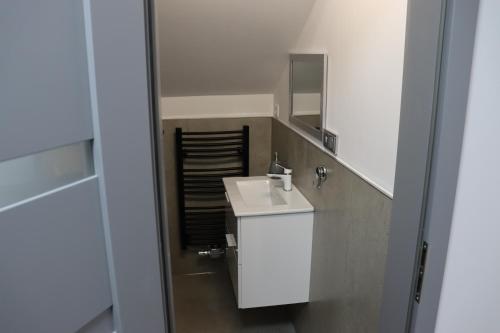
[[470, 295], [364, 41], [227, 106]]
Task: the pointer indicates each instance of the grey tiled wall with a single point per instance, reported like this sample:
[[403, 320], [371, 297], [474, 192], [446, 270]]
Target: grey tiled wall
[[260, 153], [351, 226]]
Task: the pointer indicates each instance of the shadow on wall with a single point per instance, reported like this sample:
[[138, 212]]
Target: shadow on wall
[[350, 239], [260, 154]]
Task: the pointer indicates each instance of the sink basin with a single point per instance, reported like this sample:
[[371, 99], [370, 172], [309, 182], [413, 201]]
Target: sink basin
[[259, 193], [252, 196]]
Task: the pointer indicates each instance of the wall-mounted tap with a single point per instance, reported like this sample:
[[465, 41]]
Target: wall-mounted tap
[[276, 170], [320, 176]]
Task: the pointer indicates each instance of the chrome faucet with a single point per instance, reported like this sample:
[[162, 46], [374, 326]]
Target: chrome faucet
[[276, 170]]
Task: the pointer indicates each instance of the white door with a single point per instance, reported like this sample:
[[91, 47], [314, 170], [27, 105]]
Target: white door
[[79, 248]]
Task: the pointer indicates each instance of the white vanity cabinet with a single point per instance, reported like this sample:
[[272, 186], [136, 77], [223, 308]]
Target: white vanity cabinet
[[269, 257]]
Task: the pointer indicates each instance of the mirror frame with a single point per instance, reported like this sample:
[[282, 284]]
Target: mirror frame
[[296, 121]]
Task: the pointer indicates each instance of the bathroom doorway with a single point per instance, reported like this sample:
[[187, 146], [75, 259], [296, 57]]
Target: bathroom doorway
[[225, 87], [225, 65]]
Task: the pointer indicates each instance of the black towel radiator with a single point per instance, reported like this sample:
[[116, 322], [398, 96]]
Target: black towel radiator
[[203, 159]]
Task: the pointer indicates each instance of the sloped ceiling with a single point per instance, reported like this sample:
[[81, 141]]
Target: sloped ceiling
[[223, 47]]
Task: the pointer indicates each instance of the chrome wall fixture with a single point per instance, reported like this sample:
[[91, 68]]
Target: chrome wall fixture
[[320, 176]]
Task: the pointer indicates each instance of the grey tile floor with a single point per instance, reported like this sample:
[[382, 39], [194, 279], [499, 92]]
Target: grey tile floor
[[205, 303]]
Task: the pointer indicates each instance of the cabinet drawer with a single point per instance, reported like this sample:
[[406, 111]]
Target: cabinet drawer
[[274, 259], [231, 223]]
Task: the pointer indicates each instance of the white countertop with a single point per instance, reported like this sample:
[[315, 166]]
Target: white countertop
[[277, 200]]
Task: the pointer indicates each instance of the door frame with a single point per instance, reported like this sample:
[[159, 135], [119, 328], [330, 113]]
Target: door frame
[[157, 137], [127, 156], [438, 58]]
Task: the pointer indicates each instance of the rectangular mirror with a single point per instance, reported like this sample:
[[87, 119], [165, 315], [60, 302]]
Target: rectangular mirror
[[308, 91]]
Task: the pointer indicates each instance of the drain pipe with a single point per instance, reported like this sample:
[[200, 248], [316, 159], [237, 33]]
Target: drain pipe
[[213, 253]]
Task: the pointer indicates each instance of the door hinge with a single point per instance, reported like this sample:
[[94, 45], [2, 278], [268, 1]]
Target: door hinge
[[421, 271]]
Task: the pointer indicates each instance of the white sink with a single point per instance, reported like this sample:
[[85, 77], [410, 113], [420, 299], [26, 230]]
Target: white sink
[[263, 196], [259, 193]]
